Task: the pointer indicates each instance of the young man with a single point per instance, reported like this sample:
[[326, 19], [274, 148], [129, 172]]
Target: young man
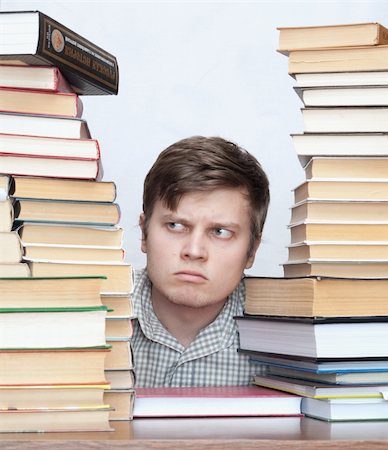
[[204, 206]]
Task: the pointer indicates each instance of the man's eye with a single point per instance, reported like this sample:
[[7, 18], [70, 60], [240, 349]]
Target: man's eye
[[223, 233], [175, 226]]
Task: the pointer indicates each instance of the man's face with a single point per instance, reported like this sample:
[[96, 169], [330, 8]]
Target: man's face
[[196, 255]]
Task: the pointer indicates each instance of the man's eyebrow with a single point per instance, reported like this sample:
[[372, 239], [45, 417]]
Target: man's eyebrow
[[226, 225]]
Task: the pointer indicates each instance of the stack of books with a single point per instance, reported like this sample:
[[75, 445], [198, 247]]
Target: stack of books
[[59, 217], [322, 331], [52, 352]]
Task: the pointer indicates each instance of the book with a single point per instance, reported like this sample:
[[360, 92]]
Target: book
[[320, 365], [376, 377], [118, 305], [351, 169], [6, 215], [14, 270], [326, 36], [87, 213], [310, 145], [330, 231], [46, 253], [46, 78], [350, 268], [33, 292], [363, 337], [65, 104], [344, 96], [72, 235], [119, 277], [122, 403], [54, 396], [120, 357], [61, 189], [320, 390], [342, 250], [53, 420], [225, 401], [52, 327], [336, 210], [357, 59], [341, 79], [316, 296], [42, 40], [120, 379], [46, 126], [53, 366], [342, 189], [345, 119], [11, 248], [119, 328]]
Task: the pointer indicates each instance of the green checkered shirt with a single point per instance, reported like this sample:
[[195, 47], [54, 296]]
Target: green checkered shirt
[[210, 360]]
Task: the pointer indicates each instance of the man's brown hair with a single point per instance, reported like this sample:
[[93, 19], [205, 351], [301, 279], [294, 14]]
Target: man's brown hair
[[203, 164]]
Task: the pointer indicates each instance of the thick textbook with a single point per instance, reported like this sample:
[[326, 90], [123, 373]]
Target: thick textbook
[[47, 126], [349, 409], [122, 403], [58, 189], [319, 337], [320, 390], [45, 78], [326, 36], [230, 401], [369, 145], [46, 292], [53, 366], [356, 59], [64, 104], [42, 40], [316, 296]]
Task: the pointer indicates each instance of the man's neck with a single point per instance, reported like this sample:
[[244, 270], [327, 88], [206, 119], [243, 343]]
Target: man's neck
[[183, 322]]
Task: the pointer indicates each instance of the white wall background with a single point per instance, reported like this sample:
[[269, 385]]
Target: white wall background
[[199, 67]]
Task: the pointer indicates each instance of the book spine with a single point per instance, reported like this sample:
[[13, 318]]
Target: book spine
[[88, 68]]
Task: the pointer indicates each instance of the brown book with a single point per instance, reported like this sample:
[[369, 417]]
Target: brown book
[[309, 231], [118, 275], [72, 235], [62, 189], [342, 250], [118, 305], [64, 104], [118, 328], [342, 189], [11, 248], [55, 420], [120, 379], [122, 403], [327, 36], [6, 215], [53, 366], [87, 213], [365, 169], [340, 210], [336, 268], [356, 59], [120, 357], [316, 296], [59, 292], [44, 253]]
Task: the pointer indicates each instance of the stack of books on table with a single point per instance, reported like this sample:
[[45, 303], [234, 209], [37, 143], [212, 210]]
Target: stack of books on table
[[322, 330], [55, 205], [52, 353]]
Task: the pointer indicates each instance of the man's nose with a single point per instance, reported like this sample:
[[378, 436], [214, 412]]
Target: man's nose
[[194, 246]]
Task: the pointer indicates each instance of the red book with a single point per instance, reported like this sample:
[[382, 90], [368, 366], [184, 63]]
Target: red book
[[220, 401], [64, 104]]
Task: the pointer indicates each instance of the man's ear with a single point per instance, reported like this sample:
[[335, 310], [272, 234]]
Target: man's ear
[[142, 227], [251, 257]]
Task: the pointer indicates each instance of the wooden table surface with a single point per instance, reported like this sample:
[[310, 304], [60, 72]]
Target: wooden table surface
[[289, 433]]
